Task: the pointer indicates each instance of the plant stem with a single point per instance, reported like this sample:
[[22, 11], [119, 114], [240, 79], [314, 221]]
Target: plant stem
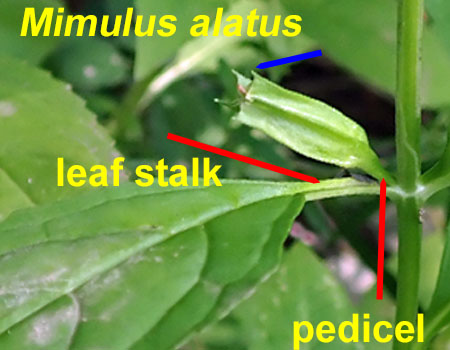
[[125, 115], [408, 122]]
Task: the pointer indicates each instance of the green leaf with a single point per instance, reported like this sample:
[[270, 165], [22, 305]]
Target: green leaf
[[439, 10], [373, 23], [301, 290], [441, 341], [11, 196], [309, 127], [379, 310], [29, 48], [137, 262], [438, 177], [223, 335], [431, 254], [438, 314], [40, 120], [89, 63], [434, 138], [53, 329]]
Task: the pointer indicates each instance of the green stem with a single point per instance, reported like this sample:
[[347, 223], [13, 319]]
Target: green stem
[[410, 238], [125, 116], [408, 122]]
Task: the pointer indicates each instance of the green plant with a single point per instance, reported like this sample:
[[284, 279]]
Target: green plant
[[133, 268]]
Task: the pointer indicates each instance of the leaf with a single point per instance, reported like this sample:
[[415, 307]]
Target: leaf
[[441, 341], [89, 63], [434, 139], [438, 314], [53, 329], [112, 252], [137, 260], [373, 23], [438, 177], [29, 48], [379, 310], [40, 120], [223, 335], [11, 196], [439, 10], [301, 290], [308, 126], [431, 255]]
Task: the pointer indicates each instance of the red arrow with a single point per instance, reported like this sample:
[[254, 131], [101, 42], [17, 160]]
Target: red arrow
[[381, 239], [242, 158]]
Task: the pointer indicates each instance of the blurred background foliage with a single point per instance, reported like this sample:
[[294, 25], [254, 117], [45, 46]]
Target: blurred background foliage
[[140, 89]]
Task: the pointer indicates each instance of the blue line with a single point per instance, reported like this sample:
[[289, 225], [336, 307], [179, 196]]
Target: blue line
[[290, 59]]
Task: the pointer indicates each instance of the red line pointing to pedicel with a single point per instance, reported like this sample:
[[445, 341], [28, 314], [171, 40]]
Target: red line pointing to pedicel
[[242, 158], [381, 238]]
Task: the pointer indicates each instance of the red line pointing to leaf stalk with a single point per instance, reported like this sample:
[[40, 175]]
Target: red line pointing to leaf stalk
[[381, 239], [242, 158]]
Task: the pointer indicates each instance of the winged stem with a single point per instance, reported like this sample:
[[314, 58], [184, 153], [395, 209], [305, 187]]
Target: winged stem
[[408, 122]]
